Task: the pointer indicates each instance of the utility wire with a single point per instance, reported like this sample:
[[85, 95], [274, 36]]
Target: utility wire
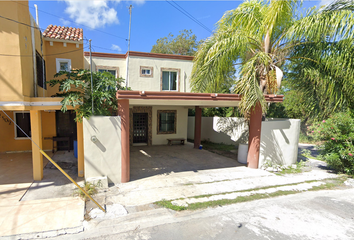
[[71, 21], [190, 16], [21, 23], [54, 54]]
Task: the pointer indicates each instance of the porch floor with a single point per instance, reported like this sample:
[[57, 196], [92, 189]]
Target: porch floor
[[23, 217]]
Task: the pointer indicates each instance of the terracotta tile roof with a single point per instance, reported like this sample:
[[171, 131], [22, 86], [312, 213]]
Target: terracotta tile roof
[[64, 33]]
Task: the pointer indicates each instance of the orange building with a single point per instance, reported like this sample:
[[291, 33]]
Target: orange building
[[28, 58]]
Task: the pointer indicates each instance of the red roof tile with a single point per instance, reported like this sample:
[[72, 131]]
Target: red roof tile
[[64, 33]]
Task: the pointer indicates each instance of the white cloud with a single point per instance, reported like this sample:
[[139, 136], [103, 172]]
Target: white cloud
[[325, 2], [65, 22], [116, 48], [93, 14]]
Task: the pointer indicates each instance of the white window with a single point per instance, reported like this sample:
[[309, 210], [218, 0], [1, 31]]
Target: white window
[[63, 64], [169, 81], [22, 119], [146, 71], [113, 72]]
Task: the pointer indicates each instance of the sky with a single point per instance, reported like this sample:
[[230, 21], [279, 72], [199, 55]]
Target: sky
[[107, 22]]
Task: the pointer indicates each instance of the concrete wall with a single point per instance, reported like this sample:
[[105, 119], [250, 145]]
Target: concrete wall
[[221, 129], [279, 141], [136, 82], [103, 158], [181, 128]]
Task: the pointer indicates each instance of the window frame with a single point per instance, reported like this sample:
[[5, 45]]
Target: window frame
[[39, 71], [177, 70], [60, 60], [15, 125], [147, 68], [109, 68], [158, 122]]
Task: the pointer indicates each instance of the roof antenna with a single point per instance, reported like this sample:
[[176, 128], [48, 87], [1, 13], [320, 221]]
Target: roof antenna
[[130, 22]]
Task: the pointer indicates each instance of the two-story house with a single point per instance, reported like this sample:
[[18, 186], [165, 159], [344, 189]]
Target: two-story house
[[28, 58], [150, 124]]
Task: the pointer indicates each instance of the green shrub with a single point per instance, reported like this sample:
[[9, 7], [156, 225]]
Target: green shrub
[[337, 141]]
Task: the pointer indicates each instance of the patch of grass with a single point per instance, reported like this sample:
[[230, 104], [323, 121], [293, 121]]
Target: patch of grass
[[329, 184], [298, 169], [217, 146], [90, 188], [307, 154], [168, 204], [303, 138]]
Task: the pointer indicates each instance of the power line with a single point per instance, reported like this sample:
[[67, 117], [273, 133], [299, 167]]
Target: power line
[[54, 54], [190, 16], [9, 19], [71, 21]]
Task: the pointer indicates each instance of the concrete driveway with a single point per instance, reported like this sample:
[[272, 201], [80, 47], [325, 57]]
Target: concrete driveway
[[27, 219], [170, 172], [166, 160]]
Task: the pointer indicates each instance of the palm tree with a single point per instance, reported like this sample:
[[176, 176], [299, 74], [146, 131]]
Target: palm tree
[[260, 38]]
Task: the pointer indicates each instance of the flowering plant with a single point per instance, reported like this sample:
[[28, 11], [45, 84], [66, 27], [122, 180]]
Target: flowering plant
[[337, 141]]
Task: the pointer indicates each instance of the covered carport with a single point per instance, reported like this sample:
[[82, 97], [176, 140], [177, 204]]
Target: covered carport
[[129, 99]]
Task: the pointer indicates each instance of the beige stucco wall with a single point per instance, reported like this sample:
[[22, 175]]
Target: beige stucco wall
[[146, 83], [108, 62], [279, 141], [181, 130], [154, 83], [103, 158], [221, 129]]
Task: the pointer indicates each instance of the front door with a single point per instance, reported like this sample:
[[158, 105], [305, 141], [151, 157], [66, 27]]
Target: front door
[[140, 127], [66, 127]]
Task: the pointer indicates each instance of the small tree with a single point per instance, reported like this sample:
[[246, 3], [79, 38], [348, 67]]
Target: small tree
[[75, 89], [183, 44]]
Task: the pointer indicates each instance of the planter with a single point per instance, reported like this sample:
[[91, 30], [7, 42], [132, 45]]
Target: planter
[[242, 153]]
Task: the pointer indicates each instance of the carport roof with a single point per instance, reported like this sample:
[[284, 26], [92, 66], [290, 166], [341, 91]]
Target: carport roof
[[141, 98]]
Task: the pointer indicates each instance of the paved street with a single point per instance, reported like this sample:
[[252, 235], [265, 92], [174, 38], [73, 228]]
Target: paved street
[[327, 214]]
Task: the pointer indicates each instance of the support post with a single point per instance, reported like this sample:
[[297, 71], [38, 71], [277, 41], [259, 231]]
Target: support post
[[37, 157], [254, 138], [80, 150], [197, 127], [123, 112]]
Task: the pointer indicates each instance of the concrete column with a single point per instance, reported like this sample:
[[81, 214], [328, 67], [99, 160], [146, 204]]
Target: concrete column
[[80, 149], [36, 134], [123, 112], [254, 138], [197, 127]]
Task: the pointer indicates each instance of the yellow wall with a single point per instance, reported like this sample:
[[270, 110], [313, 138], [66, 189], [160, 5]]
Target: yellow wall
[[7, 133], [10, 66], [75, 54], [16, 70]]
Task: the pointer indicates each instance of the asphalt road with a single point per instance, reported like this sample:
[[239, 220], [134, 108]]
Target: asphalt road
[[327, 214]]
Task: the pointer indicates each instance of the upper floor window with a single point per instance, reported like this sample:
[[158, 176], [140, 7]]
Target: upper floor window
[[40, 70], [169, 80], [113, 72], [63, 64], [146, 71]]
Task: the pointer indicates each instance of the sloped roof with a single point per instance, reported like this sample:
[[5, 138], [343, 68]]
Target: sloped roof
[[64, 33]]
